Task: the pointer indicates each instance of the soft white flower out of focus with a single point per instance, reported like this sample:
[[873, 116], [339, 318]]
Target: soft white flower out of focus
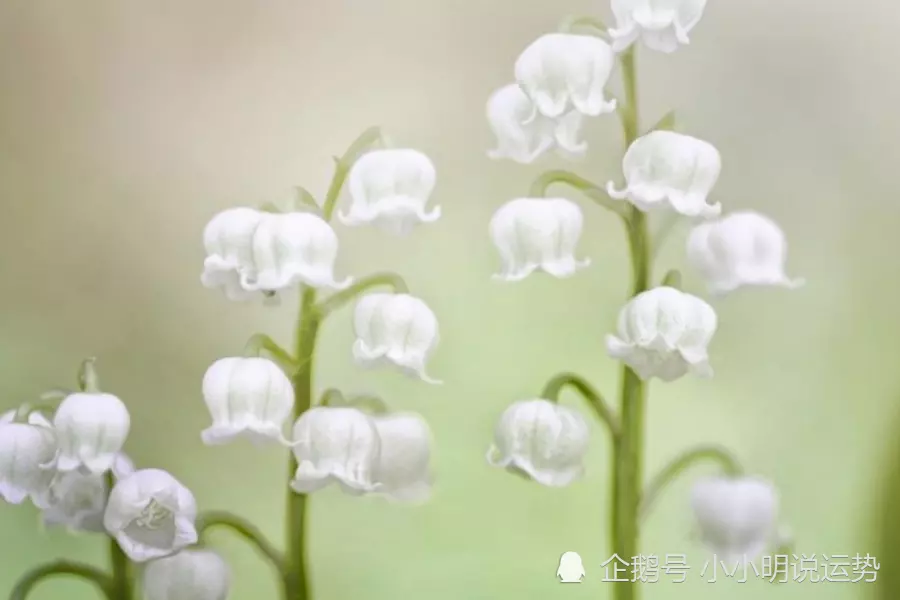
[[27, 453], [563, 71], [246, 397], [395, 329], [664, 333], [403, 469], [251, 253], [741, 249], [665, 170], [389, 189], [151, 515], [91, 428], [77, 500], [662, 25], [522, 138], [542, 440], [192, 574], [335, 445], [737, 517], [534, 234]]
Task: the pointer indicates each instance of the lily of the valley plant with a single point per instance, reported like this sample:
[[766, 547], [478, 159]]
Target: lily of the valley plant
[[68, 460]]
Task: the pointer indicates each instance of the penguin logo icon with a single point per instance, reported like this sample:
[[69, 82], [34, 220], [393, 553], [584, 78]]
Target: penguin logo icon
[[571, 569]]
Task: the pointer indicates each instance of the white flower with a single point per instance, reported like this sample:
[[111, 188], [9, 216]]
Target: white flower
[[151, 515], [335, 444], [193, 574], [661, 24], [403, 471], [562, 71], [673, 171], [741, 249], [77, 500], [246, 397], [228, 239], [91, 429], [737, 517], [390, 188], [664, 333], [541, 440], [522, 138], [537, 234], [27, 452], [396, 329]]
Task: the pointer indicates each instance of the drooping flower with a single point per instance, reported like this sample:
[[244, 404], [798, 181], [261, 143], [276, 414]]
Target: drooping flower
[[151, 515], [390, 188], [671, 171], [737, 517], [563, 71], [741, 249], [192, 574], [91, 429], [335, 445], [537, 234], [27, 453], [664, 333], [246, 397], [541, 440], [522, 138], [396, 329], [403, 469], [77, 500], [661, 24], [228, 239]]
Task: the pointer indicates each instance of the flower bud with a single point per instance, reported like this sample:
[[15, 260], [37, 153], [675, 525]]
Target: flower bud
[[662, 26], [534, 234], [247, 397], [192, 574], [396, 329], [151, 515], [27, 453], [664, 333], [91, 429], [541, 440], [403, 469]]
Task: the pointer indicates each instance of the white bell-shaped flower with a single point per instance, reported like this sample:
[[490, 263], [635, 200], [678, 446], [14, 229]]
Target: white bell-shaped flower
[[192, 574], [665, 170], [737, 517], [537, 234], [395, 329], [403, 469], [27, 453], [740, 249], [91, 429], [246, 397], [151, 515], [77, 500], [541, 440], [664, 333], [228, 239], [335, 445], [662, 25], [564, 71], [522, 138], [390, 188]]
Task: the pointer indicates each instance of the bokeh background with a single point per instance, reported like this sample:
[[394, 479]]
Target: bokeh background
[[125, 125]]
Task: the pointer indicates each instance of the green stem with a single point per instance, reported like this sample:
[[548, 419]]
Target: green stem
[[682, 462], [555, 386], [339, 299], [215, 519], [261, 342], [628, 453], [122, 581], [342, 168], [29, 580], [88, 381], [672, 279], [591, 190], [597, 27], [295, 580]]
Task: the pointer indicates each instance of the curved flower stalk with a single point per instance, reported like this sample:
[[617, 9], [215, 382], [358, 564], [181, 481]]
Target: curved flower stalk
[[192, 574], [534, 234], [524, 139], [661, 25], [390, 188], [740, 249]]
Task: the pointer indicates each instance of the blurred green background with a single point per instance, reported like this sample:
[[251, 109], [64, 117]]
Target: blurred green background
[[125, 125]]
